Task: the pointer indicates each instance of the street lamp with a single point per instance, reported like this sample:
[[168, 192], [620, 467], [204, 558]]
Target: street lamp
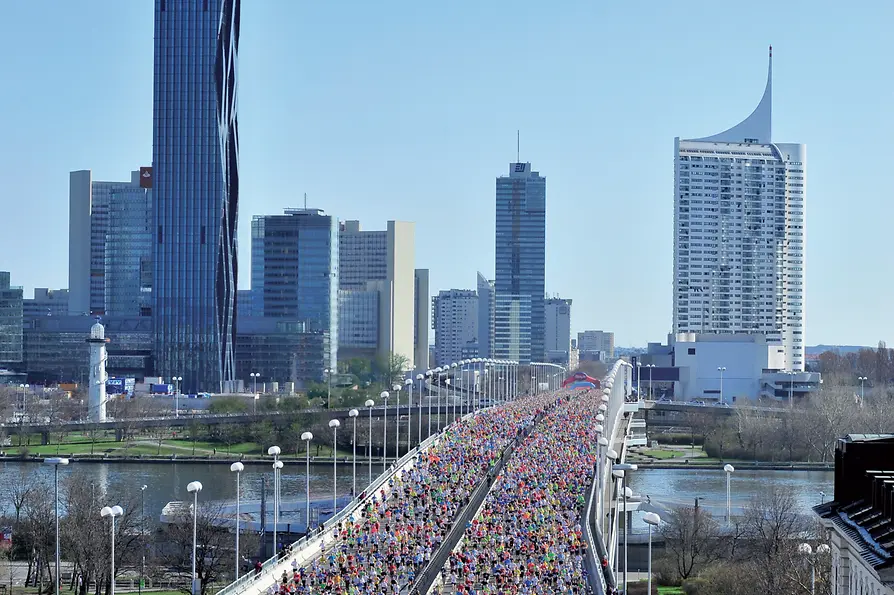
[[55, 462], [651, 367], [601, 445], [428, 374], [307, 437], [384, 395], [334, 424], [237, 468], [409, 384], [729, 471], [142, 537], [254, 381], [194, 487], [114, 511], [652, 520], [437, 372], [862, 380], [420, 378], [639, 387], [24, 387], [619, 476], [353, 413], [178, 379], [396, 388], [807, 551], [369, 404], [328, 388], [627, 468], [453, 366], [721, 369], [275, 451]]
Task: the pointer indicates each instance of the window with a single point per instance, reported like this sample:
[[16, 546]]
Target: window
[[160, 235], [691, 351]]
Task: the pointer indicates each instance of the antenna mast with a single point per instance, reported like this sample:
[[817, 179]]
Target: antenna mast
[[305, 201]]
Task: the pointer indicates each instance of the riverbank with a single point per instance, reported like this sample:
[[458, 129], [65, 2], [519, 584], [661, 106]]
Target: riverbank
[[739, 465], [221, 459]]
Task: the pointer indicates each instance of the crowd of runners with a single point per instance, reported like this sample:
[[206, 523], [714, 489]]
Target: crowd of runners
[[382, 548]]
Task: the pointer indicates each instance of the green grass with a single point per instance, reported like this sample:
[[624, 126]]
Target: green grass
[[663, 454], [669, 590], [149, 447]]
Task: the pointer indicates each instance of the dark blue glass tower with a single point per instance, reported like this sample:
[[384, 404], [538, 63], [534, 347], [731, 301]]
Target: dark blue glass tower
[[195, 157]]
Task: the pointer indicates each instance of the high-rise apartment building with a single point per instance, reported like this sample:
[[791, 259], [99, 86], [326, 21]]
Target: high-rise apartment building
[[486, 305], [739, 233], [420, 329], [455, 322], [519, 323], [195, 157], [294, 273], [109, 245], [11, 321], [382, 261], [593, 342], [557, 340]]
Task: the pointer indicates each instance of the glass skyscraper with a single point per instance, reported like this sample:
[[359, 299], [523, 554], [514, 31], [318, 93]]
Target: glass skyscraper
[[195, 191], [294, 273], [519, 325], [128, 253]]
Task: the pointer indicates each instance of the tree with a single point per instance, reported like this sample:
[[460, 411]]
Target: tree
[[692, 537]]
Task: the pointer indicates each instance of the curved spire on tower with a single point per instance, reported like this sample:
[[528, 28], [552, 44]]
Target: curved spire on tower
[[757, 127]]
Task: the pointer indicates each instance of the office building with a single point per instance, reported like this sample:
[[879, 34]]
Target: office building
[[294, 273], [244, 306], [859, 519], [109, 244], [519, 324], [486, 304], [195, 160], [46, 302], [11, 321], [589, 342], [358, 322], [557, 340], [383, 261], [739, 233], [279, 350], [455, 322], [420, 328]]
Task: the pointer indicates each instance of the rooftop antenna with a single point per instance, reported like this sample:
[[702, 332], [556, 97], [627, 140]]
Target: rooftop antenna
[[518, 146], [305, 201]]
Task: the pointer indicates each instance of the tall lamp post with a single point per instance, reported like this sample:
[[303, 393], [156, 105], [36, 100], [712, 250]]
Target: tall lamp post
[[420, 378], [862, 380], [428, 374], [384, 395], [652, 520], [618, 475], [454, 367], [194, 487], [437, 372], [626, 468], [178, 380], [369, 404], [275, 451], [353, 413], [409, 384], [651, 367], [396, 388], [807, 551], [307, 437], [254, 381], [112, 512], [729, 471], [237, 468], [142, 537], [328, 374], [721, 369], [639, 386], [334, 424], [55, 462]]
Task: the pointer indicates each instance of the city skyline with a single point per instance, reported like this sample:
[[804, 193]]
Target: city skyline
[[680, 97]]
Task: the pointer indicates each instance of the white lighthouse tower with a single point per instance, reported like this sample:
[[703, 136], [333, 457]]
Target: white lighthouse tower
[[96, 395]]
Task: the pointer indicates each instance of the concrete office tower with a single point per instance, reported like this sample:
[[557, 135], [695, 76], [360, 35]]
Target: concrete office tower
[[195, 156], [382, 261], [294, 273], [11, 321], [485, 317], [420, 329], [557, 340], [740, 231], [96, 392], [455, 321], [100, 213], [594, 342], [46, 302], [519, 323]]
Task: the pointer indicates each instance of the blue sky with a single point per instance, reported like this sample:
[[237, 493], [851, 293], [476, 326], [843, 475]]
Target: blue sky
[[409, 110]]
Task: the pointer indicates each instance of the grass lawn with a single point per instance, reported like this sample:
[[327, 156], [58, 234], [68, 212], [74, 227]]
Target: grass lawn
[[663, 454], [148, 446], [669, 590]]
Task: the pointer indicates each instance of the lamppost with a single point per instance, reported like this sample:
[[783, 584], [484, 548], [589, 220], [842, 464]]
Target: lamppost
[[619, 476], [194, 487], [807, 551], [178, 380], [639, 386], [114, 511], [428, 374], [601, 445], [626, 467], [307, 437], [24, 387], [237, 468], [55, 462], [453, 367], [652, 520], [650, 366], [254, 382], [791, 388], [142, 537], [334, 424], [729, 471], [721, 369], [396, 388], [328, 388], [437, 372], [409, 384], [353, 413], [384, 395], [369, 404], [420, 378], [862, 380], [274, 451]]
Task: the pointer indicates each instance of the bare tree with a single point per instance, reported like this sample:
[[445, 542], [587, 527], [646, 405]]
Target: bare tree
[[692, 537]]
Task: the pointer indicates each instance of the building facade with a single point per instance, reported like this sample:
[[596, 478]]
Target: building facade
[[455, 322], [195, 158], [11, 321], [557, 339], [486, 305], [420, 329], [520, 264], [595, 341], [294, 272], [127, 262], [358, 328], [739, 233], [384, 261], [280, 350], [46, 302]]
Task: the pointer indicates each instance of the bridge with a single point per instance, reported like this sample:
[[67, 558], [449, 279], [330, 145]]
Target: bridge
[[460, 479]]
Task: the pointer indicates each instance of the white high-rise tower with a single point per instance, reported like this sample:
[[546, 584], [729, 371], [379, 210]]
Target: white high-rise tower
[[96, 392], [739, 233]]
